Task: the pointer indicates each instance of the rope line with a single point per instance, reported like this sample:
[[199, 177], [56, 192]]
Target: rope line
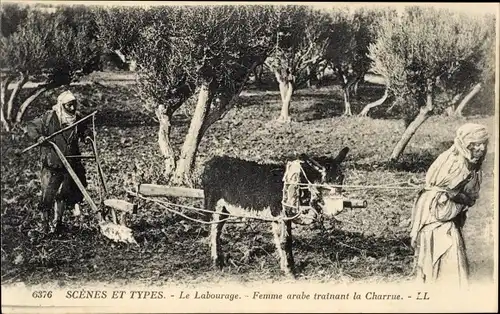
[[301, 209], [387, 186], [194, 219], [395, 185], [165, 203]]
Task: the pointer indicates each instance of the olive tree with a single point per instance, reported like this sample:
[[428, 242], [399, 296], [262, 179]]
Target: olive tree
[[350, 34], [119, 28], [461, 89], [13, 15], [200, 57], [52, 47], [368, 21], [417, 51], [301, 40]]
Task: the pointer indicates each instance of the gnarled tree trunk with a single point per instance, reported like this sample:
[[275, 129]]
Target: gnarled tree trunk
[[19, 85], [5, 123], [347, 85], [374, 104], [3, 99], [308, 73], [347, 102], [206, 113], [450, 110], [5, 86], [320, 75], [258, 70], [286, 91], [164, 143], [187, 156], [424, 113], [465, 101], [223, 105], [34, 95], [355, 86]]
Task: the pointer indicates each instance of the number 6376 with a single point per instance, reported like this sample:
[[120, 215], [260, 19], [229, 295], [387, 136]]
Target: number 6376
[[42, 294]]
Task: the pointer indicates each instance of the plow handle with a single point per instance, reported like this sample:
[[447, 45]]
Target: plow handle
[[59, 132], [75, 178]]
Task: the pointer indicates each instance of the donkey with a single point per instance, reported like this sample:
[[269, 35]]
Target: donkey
[[247, 188]]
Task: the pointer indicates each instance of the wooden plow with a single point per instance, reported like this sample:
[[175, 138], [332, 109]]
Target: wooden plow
[[151, 193], [111, 212], [334, 203], [156, 190]]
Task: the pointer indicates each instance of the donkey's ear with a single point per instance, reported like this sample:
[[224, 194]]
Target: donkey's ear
[[303, 157], [341, 156]]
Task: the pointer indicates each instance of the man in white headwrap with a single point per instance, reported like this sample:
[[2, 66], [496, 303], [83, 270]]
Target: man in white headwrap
[[452, 187], [57, 185]]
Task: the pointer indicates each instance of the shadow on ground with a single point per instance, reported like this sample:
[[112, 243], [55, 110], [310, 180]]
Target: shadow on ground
[[322, 110], [341, 246], [114, 117], [414, 162]]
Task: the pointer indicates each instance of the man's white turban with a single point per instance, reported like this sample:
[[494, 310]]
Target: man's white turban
[[65, 117], [65, 97]]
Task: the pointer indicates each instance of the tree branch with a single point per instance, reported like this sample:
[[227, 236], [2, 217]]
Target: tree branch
[[32, 97], [214, 115], [13, 95]]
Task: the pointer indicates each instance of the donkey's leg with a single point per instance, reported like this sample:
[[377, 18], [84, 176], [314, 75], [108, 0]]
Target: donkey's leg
[[215, 234], [282, 232], [287, 235], [276, 228]]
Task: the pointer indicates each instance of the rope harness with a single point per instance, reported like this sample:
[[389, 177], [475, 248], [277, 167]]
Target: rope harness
[[291, 196], [166, 205], [294, 195], [292, 188]]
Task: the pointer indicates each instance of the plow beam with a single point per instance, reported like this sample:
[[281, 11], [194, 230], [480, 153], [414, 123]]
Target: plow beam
[[172, 191]]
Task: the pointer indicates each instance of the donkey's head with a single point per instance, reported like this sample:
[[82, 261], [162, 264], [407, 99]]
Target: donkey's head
[[314, 198]]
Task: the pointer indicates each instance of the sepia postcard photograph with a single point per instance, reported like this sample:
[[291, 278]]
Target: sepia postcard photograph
[[249, 157]]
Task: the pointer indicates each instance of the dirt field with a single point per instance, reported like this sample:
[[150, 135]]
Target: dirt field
[[361, 245]]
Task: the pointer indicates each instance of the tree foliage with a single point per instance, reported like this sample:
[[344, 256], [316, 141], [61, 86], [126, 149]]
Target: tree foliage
[[350, 35], [12, 16], [422, 53], [54, 47], [301, 40], [190, 51], [446, 47], [120, 28], [184, 47]]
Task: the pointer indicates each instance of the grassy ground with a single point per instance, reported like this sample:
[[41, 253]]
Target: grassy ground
[[368, 245]]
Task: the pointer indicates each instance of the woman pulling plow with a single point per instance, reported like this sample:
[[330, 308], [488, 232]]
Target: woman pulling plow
[[452, 187]]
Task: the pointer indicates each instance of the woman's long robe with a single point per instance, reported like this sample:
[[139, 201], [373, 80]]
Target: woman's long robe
[[437, 220]]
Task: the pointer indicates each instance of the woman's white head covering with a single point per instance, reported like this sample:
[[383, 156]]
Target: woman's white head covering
[[467, 134], [64, 116]]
